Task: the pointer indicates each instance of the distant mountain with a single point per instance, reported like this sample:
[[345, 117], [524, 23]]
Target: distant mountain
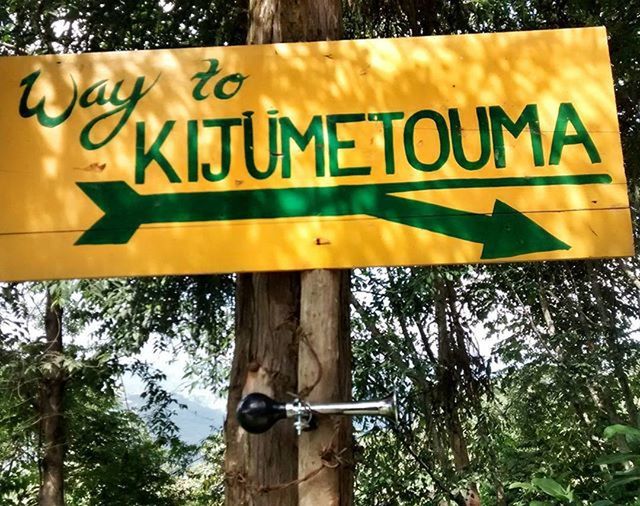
[[196, 422]]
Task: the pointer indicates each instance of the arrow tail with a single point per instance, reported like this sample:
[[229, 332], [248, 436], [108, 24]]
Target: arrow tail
[[120, 221]]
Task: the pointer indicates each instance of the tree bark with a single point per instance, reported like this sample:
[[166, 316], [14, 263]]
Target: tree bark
[[324, 375], [294, 21], [265, 358], [262, 470], [51, 491]]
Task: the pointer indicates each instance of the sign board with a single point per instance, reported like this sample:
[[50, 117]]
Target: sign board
[[433, 150]]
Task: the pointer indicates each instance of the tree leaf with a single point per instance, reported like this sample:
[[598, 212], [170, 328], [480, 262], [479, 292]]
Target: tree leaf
[[631, 434], [551, 487], [520, 484], [622, 481], [617, 458]]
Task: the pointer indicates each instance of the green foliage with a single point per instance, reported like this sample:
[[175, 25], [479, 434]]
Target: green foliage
[[202, 483], [547, 486], [111, 457], [55, 26], [618, 476], [190, 314], [395, 478], [623, 467]]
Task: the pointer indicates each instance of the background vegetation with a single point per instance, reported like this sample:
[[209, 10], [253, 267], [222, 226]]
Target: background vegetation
[[518, 381]]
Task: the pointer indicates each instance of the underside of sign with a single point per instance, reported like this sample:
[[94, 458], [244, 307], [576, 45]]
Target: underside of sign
[[414, 151]]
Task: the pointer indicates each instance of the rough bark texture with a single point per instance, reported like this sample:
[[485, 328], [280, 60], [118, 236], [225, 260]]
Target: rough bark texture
[[266, 351], [267, 309], [324, 375], [51, 413], [294, 20]]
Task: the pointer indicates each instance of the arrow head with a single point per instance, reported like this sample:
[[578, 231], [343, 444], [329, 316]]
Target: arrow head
[[511, 233]]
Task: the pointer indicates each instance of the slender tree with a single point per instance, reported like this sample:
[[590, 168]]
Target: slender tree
[[51, 408]]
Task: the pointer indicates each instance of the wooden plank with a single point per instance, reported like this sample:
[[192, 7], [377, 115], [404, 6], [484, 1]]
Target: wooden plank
[[397, 137]]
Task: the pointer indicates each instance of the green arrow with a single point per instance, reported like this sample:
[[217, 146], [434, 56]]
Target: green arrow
[[504, 233]]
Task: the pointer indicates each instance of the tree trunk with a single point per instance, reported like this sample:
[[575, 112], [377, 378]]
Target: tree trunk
[[501, 498], [448, 352], [602, 397], [51, 414], [265, 358], [324, 375], [617, 355], [294, 20], [263, 469]]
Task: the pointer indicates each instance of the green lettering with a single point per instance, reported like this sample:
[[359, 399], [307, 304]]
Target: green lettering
[[203, 78], [234, 79], [336, 144], [409, 142], [456, 139], [568, 114], [249, 155], [144, 158], [126, 105], [38, 111], [100, 99], [387, 119], [500, 121], [289, 132], [225, 125], [192, 150]]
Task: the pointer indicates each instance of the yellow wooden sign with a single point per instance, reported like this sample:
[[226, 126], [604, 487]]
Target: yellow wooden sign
[[474, 148]]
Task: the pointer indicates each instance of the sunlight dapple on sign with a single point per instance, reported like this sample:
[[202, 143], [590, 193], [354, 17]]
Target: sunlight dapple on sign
[[431, 150]]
